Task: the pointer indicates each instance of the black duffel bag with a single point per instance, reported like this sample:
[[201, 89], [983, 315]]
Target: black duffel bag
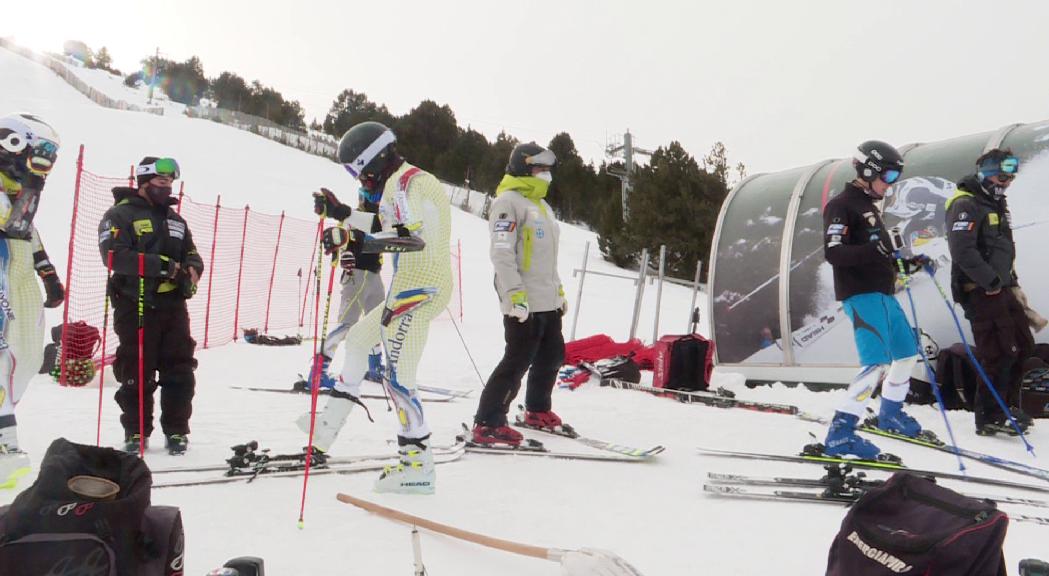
[[911, 525]]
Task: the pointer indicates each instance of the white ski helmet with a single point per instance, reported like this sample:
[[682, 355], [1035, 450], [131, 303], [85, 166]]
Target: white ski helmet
[[27, 143]]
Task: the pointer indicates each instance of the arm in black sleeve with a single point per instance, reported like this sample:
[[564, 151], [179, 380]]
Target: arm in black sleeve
[[963, 231], [191, 258], [836, 246], [117, 233]]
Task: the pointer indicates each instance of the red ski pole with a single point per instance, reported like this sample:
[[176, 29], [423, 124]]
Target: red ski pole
[[141, 354]]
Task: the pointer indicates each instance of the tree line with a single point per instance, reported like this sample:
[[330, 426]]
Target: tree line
[[674, 201]]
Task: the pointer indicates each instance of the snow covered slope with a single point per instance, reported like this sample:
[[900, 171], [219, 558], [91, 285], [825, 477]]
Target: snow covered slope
[[654, 515]]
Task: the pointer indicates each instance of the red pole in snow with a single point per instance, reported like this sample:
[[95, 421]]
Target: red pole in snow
[[211, 268], [105, 330], [273, 272], [69, 266], [240, 272], [181, 193], [306, 294]]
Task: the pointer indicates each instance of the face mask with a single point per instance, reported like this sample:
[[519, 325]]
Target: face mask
[[545, 176], [159, 195]]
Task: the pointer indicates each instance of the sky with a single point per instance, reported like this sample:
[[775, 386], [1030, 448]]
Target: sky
[[782, 84]]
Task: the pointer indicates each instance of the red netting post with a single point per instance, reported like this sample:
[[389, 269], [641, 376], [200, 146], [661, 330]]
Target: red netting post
[[105, 331], [131, 178], [273, 272], [69, 266], [306, 294], [181, 193], [240, 272], [211, 267]]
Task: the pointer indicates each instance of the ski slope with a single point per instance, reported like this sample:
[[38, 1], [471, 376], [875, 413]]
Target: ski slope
[[654, 515]]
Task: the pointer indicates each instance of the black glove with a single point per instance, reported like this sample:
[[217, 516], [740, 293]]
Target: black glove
[[56, 294], [348, 261], [334, 239], [881, 250], [917, 263], [325, 202]]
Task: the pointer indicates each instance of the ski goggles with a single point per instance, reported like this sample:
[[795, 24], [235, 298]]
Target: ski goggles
[[544, 158], [42, 157], [160, 167], [890, 176], [1004, 170]]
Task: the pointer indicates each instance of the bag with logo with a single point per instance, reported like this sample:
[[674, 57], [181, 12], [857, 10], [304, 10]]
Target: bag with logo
[[911, 525], [89, 512], [683, 362]]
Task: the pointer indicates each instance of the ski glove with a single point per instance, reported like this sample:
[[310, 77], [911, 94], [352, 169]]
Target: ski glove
[[56, 294], [917, 263], [564, 302], [347, 261], [325, 202], [520, 306], [334, 239], [881, 250]]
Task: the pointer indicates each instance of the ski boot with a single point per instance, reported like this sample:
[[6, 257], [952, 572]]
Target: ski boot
[[842, 439], [330, 420], [542, 419], [415, 473], [375, 368], [13, 462], [176, 444], [892, 418], [326, 381], [131, 443], [490, 435]]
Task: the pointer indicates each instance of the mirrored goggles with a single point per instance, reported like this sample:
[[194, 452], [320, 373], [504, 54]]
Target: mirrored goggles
[[42, 157], [1010, 165], [161, 167], [890, 176]]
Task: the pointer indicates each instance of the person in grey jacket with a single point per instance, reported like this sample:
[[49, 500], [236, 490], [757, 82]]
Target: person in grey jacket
[[524, 236], [984, 282]]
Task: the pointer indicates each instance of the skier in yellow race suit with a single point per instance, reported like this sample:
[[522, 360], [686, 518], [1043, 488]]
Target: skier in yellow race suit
[[416, 227], [28, 150]]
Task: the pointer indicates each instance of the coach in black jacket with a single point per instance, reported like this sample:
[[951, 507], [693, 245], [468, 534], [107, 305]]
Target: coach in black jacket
[[143, 224]]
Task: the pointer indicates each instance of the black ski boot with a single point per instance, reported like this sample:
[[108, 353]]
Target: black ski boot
[[176, 444]]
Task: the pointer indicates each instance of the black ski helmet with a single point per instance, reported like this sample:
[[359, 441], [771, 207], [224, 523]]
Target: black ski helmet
[[526, 156], [874, 157], [367, 149]]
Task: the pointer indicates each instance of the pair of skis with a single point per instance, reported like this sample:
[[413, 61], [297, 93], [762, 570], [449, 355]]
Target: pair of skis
[[302, 387], [610, 451], [837, 487], [719, 398]]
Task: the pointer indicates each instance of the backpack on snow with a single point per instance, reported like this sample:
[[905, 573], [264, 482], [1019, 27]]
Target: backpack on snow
[[50, 529], [911, 525], [618, 368], [683, 362]]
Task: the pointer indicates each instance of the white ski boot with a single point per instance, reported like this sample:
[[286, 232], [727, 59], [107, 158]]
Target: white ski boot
[[329, 421], [415, 473], [13, 462]]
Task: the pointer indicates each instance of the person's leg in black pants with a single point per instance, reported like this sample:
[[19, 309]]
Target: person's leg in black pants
[[176, 365], [549, 357], [522, 344], [125, 364]]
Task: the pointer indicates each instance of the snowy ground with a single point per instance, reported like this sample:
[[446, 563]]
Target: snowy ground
[[654, 514]]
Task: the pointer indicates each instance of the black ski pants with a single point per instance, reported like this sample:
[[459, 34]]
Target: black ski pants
[[535, 346], [1003, 342], [168, 350]]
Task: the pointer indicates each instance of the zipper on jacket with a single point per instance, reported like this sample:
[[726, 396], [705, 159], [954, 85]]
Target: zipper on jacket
[[526, 263]]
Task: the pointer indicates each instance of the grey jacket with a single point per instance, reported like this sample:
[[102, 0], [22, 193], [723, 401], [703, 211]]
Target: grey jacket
[[980, 237], [524, 236]]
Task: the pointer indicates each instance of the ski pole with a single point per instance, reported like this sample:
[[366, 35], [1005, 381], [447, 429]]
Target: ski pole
[[929, 373], [465, 347], [141, 355], [976, 363], [317, 364], [105, 329]]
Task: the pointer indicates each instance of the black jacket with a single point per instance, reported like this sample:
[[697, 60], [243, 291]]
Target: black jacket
[[980, 237], [853, 229], [133, 225]]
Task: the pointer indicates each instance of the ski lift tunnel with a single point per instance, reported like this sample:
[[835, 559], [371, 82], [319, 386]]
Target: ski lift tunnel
[[771, 306]]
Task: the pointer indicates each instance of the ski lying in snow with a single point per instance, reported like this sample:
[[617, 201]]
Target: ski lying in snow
[[445, 391], [826, 496], [327, 392], [530, 447], [838, 479], [870, 464], [929, 440], [249, 455], [320, 469], [568, 431], [247, 465], [721, 398]]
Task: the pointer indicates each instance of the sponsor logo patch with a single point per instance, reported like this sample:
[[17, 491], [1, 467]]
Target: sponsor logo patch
[[505, 225], [836, 229], [962, 227]]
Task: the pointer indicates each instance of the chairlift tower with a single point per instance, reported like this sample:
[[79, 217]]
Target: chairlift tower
[[627, 150]]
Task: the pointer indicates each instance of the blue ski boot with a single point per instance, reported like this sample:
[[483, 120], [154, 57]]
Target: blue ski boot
[[843, 441], [375, 367], [892, 418], [326, 380]]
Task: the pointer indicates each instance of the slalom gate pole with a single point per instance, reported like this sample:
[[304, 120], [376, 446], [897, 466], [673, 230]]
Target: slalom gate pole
[[317, 364], [976, 363], [105, 330]]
